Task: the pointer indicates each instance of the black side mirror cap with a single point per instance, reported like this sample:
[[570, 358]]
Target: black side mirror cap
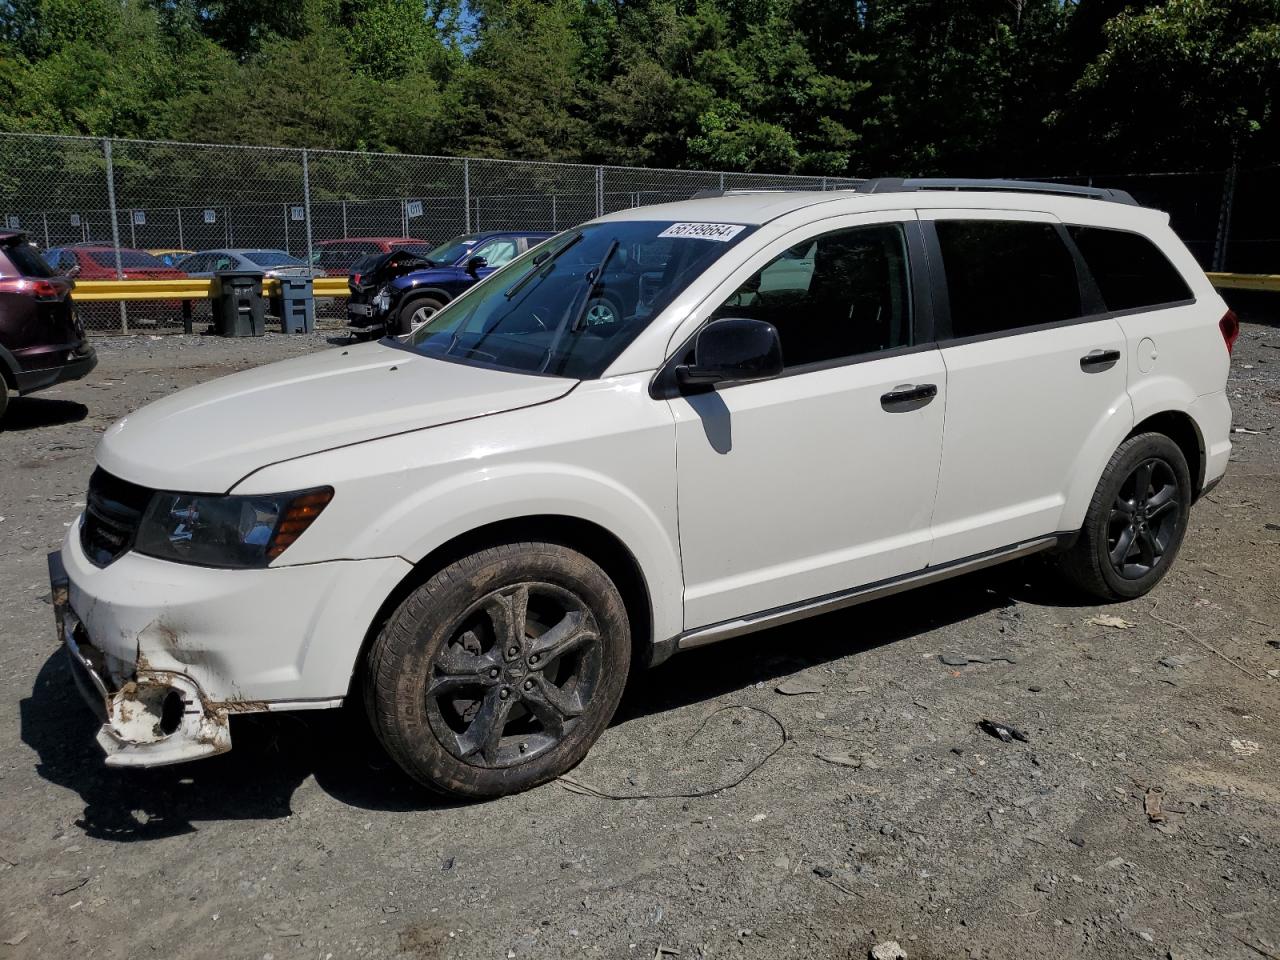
[[732, 349], [476, 264]]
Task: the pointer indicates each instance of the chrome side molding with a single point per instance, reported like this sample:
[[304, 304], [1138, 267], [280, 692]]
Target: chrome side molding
[[727, 629]]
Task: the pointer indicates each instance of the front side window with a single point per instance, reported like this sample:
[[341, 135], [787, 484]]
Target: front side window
[[1129, 269], [839, 295], [571, 305], [1006, 274]]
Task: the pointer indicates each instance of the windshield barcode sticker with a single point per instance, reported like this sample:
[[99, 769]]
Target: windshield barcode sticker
[[723, 232]]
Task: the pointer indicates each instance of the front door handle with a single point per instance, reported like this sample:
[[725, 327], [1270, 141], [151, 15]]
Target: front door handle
[[908, 396], [1095, 361]]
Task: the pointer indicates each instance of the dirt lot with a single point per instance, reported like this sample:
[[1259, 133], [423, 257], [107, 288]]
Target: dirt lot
[[881, 812]]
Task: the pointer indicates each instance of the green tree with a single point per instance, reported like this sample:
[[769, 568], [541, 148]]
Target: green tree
[[1185, 83]]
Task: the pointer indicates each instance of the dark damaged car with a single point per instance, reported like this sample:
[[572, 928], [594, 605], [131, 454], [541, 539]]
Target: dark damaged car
[[42, 341], [396, 292]]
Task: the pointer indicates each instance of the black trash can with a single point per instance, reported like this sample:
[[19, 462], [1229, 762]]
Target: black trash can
[[238, 307], [297, 305]]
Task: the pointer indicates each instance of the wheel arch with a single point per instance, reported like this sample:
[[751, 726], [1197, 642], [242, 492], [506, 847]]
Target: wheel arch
[[422, 293], [8, 369], [587, 537], [1180, 427]]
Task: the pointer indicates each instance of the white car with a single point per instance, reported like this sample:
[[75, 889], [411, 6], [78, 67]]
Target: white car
[[806, 400]]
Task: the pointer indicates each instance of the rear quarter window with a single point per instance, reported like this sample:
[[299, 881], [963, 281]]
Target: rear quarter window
[[1131, 272]]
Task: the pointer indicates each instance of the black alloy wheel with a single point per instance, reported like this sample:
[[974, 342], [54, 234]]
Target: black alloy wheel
[[520, 668], [1145, 517]]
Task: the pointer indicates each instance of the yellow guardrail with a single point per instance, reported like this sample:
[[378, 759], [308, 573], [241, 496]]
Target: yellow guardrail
[[330, 287], [1246, 281], [185, 288], [98, 291]]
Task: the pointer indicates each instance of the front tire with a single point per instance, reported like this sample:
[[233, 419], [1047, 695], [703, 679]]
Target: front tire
[[414, 314], [501, 671], [1136, 521]]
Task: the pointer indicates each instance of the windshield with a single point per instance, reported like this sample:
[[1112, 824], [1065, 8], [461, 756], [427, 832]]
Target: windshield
[[570, 306], [273, 258], [450, 250]]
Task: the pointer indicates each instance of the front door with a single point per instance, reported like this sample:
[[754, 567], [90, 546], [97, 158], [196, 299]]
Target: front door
[[821, 479]]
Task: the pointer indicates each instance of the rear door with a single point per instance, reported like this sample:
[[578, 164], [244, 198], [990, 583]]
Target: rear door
[[1035, 376]]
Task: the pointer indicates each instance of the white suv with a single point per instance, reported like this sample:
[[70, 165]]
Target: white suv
[[670, 426]]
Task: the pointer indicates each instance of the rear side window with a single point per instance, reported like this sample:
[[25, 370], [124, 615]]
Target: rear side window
[[1006, 274], [1130, 270], [27, 260]]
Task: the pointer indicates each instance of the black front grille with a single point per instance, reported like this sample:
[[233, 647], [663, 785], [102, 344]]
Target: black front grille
[[112, 513]]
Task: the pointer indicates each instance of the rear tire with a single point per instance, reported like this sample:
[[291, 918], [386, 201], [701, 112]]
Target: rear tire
[[1136, 521], [415, 313], [501, 671]]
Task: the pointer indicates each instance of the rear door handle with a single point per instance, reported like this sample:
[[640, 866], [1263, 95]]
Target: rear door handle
[[908, 396], [1095, 361]]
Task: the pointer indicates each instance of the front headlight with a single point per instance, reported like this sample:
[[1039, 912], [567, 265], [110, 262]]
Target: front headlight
[[227, 531]]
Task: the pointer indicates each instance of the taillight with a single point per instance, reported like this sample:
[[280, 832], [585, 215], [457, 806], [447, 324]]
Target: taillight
[[355, 280], [1230, 327], [29, 286]]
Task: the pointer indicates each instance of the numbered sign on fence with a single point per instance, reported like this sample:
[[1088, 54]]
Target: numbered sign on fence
[[210, 216], [140, 217], [297, 213], [413, 208], [13, 223], [75, 219]]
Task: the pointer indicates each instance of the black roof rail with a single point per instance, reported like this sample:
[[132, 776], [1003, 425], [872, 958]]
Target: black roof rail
[[901, 185]]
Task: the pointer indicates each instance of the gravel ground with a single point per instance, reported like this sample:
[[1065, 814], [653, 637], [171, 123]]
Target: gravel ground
[[1139, 820]]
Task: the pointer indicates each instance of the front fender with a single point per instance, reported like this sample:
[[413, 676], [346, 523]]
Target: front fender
[[604, 454]]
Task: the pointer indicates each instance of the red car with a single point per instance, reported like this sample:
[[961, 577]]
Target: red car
[[337, 256], [41, 340], [99, 263]]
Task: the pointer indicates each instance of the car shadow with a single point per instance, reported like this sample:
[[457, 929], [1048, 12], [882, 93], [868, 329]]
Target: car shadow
[[275, 753], [709, 672], [31, 413]]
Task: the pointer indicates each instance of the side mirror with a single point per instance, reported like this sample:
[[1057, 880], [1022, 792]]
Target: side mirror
[[476, 264], [733, 349]]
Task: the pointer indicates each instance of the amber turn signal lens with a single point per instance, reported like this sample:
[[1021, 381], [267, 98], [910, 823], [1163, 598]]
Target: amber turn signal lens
[[297, 516]]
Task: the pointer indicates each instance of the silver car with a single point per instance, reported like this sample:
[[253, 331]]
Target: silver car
[[272, 263]]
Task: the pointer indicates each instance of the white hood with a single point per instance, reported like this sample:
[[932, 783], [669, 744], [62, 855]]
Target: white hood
[[207, 438]]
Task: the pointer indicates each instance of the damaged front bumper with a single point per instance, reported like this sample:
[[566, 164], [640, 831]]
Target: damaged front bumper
[[158, 717]]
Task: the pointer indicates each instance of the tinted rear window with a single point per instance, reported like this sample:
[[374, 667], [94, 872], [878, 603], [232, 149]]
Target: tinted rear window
[[1129, 269], [128, 258], [1006, 274], [27, 260]]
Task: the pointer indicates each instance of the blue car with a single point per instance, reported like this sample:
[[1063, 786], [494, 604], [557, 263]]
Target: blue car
[[392, 293]]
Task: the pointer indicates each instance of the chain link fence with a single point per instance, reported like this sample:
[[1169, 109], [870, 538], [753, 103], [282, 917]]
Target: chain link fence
[[108, 202]]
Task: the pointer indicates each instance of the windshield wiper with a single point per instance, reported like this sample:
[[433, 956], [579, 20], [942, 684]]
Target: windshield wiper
[[540, 261], [593, 282]]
